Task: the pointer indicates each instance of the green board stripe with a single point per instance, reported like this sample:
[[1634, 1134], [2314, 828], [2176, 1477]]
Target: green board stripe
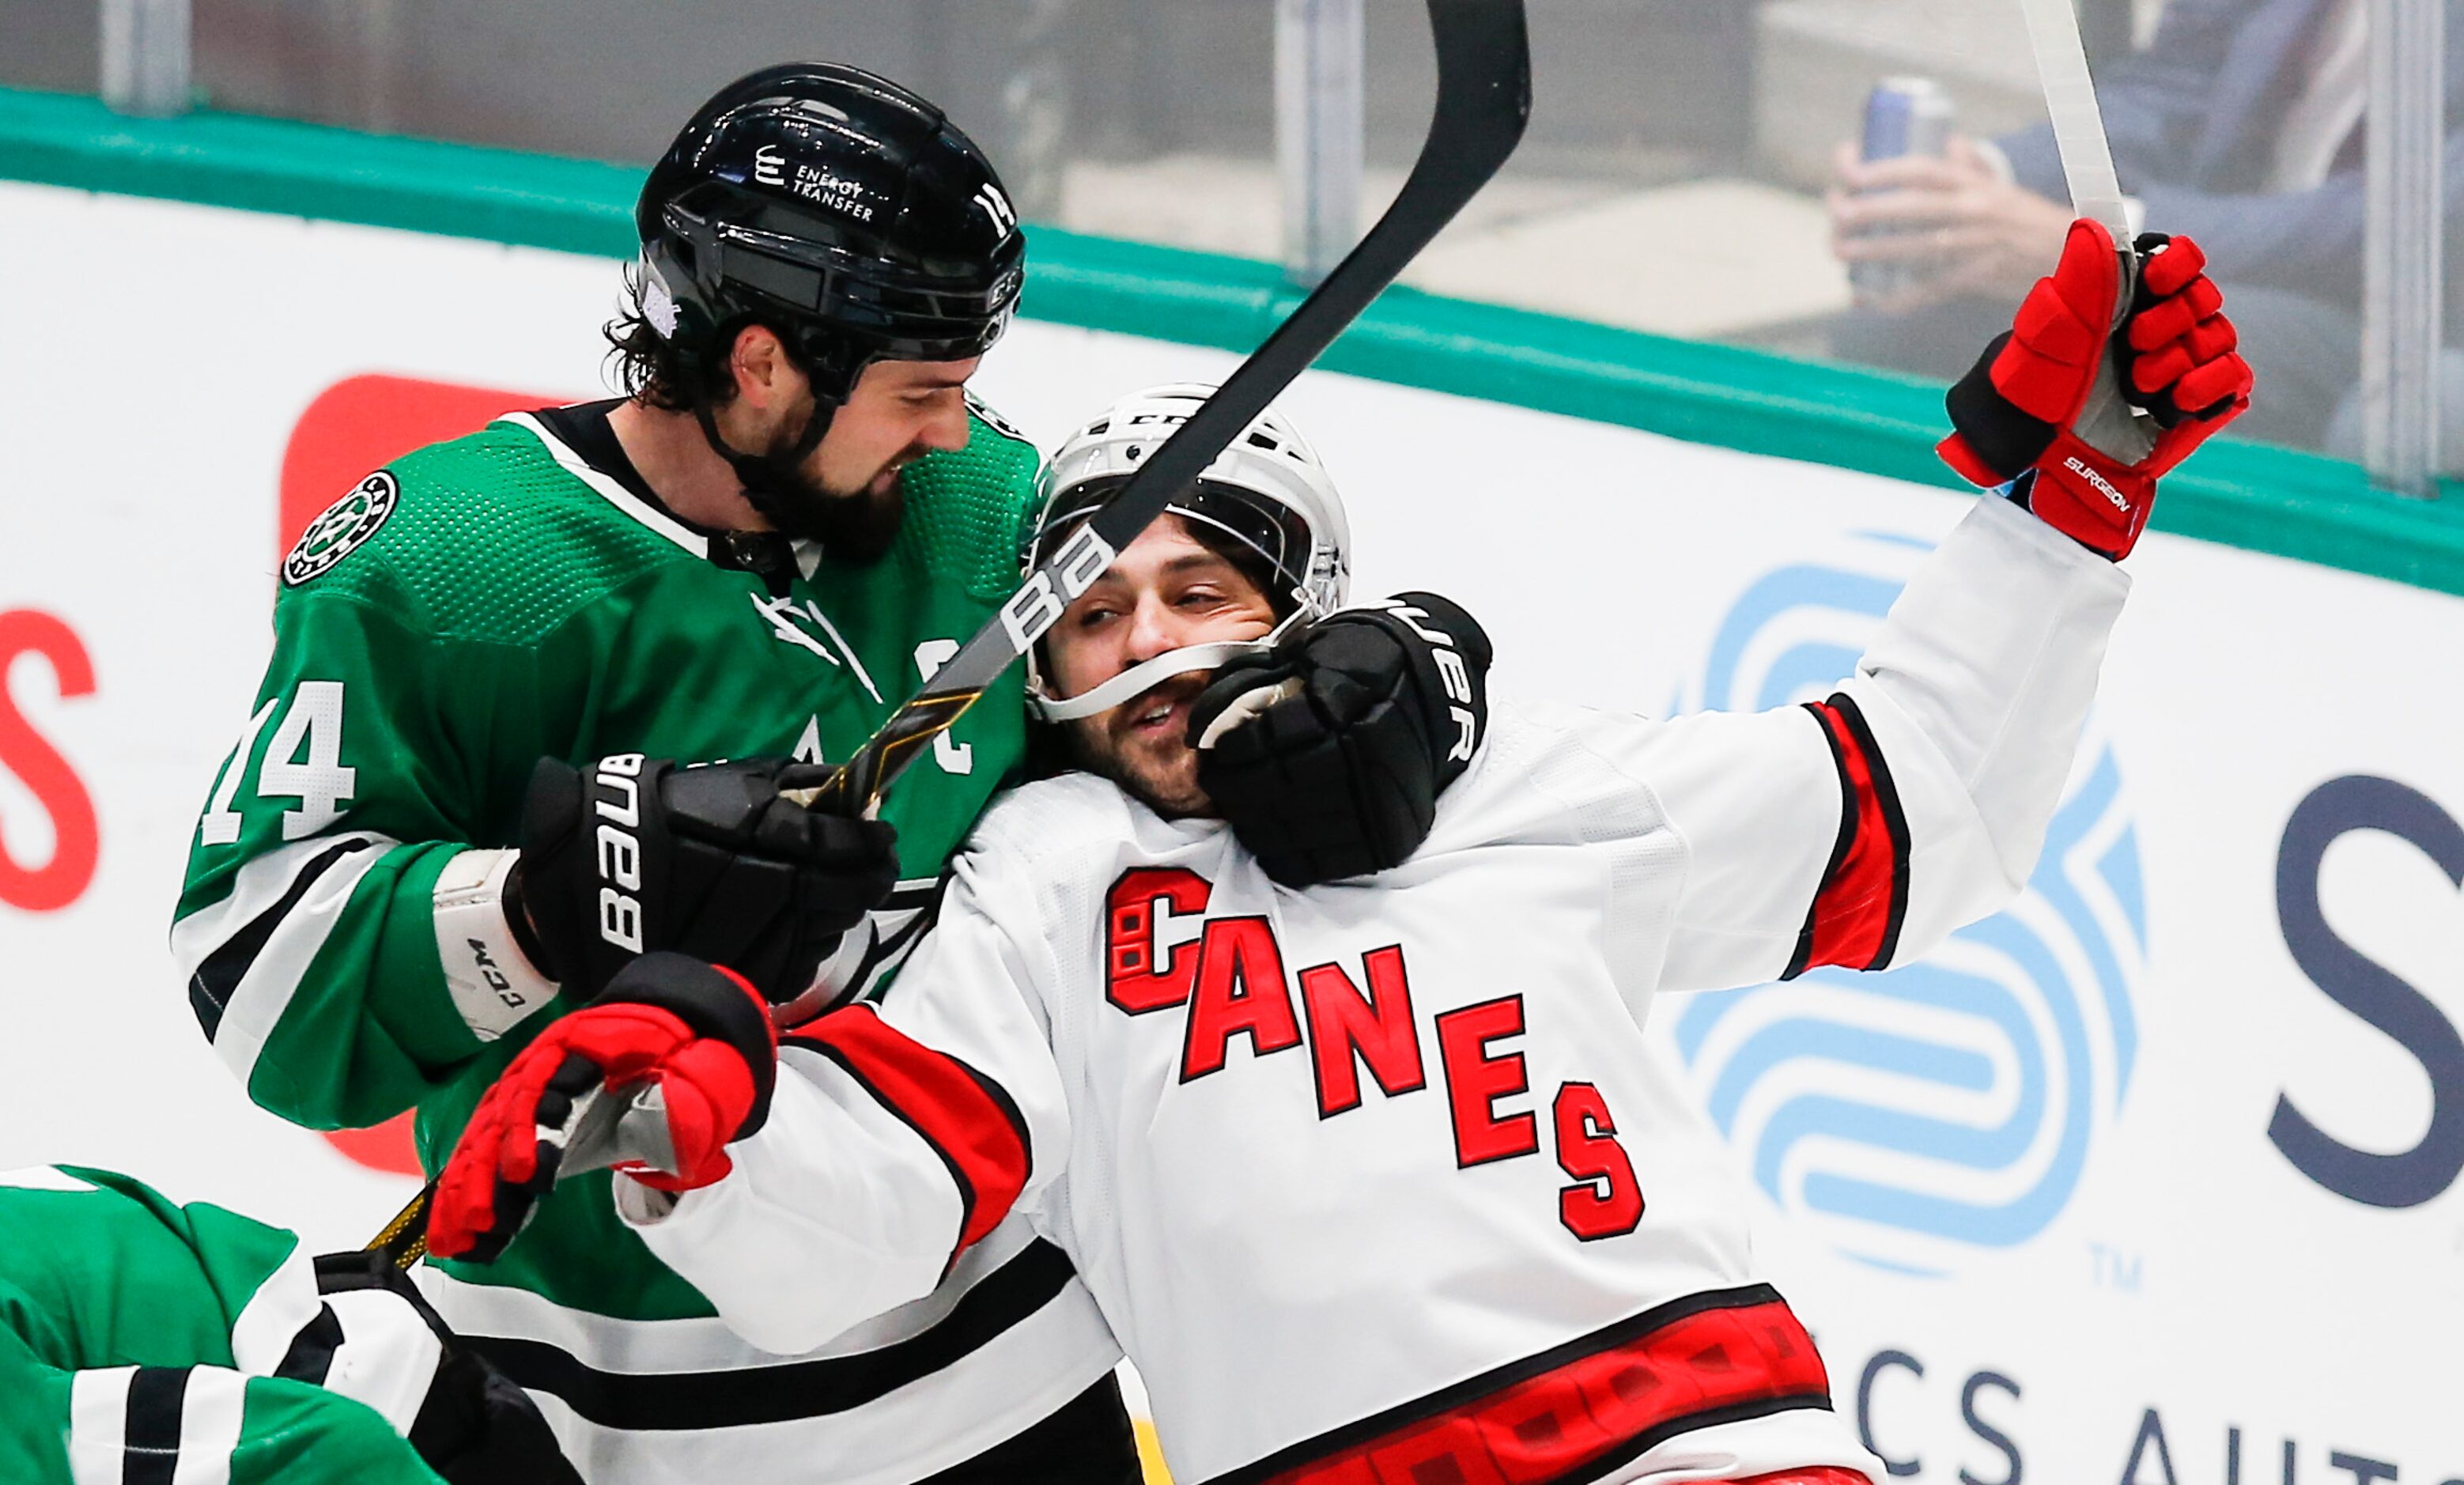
[[2248, 495]]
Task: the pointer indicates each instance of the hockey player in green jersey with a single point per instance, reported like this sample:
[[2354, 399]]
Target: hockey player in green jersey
[[143, 1342], [459, 806]]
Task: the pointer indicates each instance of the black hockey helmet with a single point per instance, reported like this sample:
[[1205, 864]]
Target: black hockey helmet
[[839, 209]]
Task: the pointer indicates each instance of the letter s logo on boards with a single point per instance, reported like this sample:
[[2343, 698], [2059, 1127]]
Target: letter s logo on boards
[[38, 769], [1917, 1118], [2332, 811]]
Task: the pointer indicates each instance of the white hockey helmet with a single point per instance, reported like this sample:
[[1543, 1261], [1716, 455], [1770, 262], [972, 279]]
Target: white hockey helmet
[[1268, 491]]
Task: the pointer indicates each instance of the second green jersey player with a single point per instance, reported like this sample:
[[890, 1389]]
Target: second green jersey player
[[452, 811], [143, 1342]]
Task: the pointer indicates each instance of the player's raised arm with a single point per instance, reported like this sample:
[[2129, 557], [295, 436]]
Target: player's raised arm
[[1861, 829]]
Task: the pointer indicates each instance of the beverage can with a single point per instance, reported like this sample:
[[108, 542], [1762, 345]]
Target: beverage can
[[1903, 115]]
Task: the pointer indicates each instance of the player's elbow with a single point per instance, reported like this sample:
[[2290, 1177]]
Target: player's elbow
[[1963, 877]]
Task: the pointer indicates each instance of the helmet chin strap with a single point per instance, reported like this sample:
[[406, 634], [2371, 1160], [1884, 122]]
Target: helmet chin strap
[[1189, 658], [766, 475], [1141, 676]]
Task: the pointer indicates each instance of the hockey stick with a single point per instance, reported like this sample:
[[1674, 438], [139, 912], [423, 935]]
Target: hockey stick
[[1484, 99], [1484, 96], [2079, 122], [2095, 191]]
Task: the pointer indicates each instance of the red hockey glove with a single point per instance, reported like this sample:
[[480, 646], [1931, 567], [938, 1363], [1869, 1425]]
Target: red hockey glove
[[700, 1034], [2056, 395]]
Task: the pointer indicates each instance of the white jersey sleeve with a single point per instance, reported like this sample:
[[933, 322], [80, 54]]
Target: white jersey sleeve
[[1861, 829], [899, 1135]]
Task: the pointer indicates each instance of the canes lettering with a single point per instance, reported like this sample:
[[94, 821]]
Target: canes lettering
[[1162, 951], [619, 806]]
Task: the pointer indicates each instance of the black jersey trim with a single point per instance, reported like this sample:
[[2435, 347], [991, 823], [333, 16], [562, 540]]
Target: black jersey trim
[[1895, 828], [312, 1350], [1089, 1440], [583, 428], [1498, 1379], [218, 975], [1800, 960], [674, 1400], [150, 1446], [925, 904], [958, 1177]]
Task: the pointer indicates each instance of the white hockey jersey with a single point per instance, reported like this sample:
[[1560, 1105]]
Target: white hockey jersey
[[1378, 1180]]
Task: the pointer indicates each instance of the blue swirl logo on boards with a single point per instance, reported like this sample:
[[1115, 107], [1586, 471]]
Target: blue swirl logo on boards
[[1917, 1119]]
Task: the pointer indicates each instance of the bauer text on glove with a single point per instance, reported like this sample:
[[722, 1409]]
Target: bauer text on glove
[[628, 853], [1328, 755]]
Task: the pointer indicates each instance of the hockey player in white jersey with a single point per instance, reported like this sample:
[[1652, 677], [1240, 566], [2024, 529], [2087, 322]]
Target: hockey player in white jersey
[[1378, 1180]]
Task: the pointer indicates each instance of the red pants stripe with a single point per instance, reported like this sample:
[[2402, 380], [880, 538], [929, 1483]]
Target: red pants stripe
[[1715, 1365]]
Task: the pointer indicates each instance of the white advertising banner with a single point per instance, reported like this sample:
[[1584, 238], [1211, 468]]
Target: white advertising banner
[[2150, 1180]]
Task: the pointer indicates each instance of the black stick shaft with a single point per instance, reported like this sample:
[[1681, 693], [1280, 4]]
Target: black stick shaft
[[1484, 99]]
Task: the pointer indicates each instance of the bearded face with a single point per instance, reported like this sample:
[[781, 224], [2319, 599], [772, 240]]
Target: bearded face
[[845, 493], [1167, 591]]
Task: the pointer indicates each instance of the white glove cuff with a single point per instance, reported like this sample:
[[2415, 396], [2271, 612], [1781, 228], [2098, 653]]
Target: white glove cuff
[[493, 983]]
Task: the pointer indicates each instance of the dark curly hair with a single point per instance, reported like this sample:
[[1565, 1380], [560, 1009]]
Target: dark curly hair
[[647, 366]]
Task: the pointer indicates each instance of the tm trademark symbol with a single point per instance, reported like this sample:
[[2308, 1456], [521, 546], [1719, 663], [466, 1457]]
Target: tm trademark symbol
[[2113, 1268]]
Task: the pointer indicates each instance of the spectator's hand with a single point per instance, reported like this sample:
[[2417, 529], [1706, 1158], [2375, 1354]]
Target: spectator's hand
[[1965, 229]]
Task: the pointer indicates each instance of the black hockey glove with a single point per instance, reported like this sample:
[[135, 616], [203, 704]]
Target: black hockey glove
[[1328, 755], [634, 855]]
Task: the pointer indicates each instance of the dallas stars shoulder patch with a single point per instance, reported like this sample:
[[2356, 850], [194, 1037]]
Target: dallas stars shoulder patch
[[346, 526]]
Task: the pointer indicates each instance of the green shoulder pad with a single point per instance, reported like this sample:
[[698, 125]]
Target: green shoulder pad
[[969, 509], [483, 538]]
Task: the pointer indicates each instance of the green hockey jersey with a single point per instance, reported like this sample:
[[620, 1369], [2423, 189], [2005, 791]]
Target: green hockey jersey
[[143, 1341], [471, 608]]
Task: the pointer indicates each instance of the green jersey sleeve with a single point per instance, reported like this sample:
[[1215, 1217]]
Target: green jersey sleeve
[[378, 772], [141, 1340], [495, 600], [307, 928]]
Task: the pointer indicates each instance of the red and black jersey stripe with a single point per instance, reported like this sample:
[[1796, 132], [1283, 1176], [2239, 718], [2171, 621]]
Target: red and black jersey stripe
[[1853, 921], [969, 1119], [1578, 1411]]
